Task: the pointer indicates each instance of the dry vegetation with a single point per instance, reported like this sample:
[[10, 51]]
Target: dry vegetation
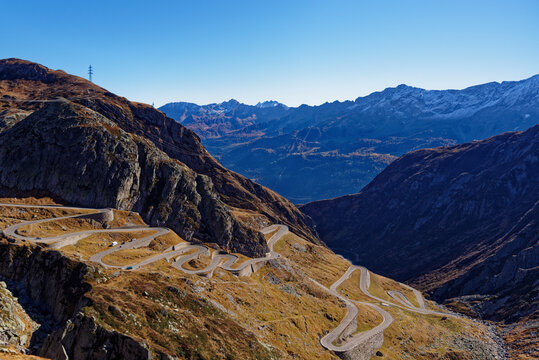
[[19, 357], [318, 262], [380, 285], [275, 313], [201, 262], [12, 215], [126, 218], [96, 243], [58, 227]]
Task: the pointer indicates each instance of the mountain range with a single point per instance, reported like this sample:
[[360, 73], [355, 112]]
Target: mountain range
[[310, 153]]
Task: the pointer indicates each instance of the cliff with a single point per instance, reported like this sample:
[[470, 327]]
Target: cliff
[[57, 285]]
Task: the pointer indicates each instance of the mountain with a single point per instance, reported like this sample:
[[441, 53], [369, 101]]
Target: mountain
[[318, 152], [459, 222], [122, 238], [67, 137], [216, 120]]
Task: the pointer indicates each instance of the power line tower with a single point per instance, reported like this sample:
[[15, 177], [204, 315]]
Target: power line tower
[[90, 73]]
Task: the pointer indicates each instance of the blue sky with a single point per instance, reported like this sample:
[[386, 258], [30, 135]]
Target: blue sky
[[291, 51]]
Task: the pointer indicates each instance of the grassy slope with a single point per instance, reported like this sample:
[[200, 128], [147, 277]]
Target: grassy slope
[[274, 313]]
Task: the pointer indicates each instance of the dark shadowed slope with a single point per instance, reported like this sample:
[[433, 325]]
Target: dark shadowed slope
[[455, 221], [99, 149]]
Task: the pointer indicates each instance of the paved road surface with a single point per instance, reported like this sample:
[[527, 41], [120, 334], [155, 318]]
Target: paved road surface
[[179, 254]]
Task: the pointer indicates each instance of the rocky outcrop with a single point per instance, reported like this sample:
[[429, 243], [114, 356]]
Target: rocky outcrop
[[57, 285], [455, 221], [161, 147], [52, 282], [82, 339], [15, 324], [364, 350], [84, 158]]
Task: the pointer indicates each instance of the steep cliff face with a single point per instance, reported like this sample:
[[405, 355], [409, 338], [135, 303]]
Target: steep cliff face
[[15, 325], [57, 285], [135, 157], [456, 221], [50, 280], [78, 154]]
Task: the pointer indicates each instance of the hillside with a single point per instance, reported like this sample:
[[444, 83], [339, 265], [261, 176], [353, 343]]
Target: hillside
[[459, 222], [100, 284], [65, 137], [318, 152]]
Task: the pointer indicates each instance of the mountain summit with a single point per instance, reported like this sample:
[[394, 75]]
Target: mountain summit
[[69, 138]]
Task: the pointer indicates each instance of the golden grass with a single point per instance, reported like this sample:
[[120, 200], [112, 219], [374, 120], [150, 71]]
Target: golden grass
[[125, 218], [240, 261], [292, 322], [176, 321], [27, 214], [6, 222], [20, 357], [380, 285], [96, 243], [201, 262], [128, 256], [270, 234], [289, 313], [368, 318], [425, 337], [350, 288], [317, 261], [58, 227], [165, 241]]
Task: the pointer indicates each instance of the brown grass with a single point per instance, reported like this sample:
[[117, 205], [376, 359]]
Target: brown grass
[[198, 264], [427, 336], [317, 261], [175, 312], [10, 215], [96, 243], [380, 285], [58, 227], [163, 242], [124, 218]]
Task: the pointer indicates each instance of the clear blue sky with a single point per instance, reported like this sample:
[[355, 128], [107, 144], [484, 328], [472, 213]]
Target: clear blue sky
[[291, 51]]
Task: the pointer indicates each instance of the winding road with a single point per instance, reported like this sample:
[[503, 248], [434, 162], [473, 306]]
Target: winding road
[[345, 333], [175, 253]]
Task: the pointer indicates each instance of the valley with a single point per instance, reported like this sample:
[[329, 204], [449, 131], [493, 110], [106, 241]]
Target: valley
[[309, 153], [123, 238]]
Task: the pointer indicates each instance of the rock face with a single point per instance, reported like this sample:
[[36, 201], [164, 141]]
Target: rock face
[[97, 149], [364, 351], [319, 152], [455, 221], [84, 340], [15, 324], [51, 281], [57, 285]]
